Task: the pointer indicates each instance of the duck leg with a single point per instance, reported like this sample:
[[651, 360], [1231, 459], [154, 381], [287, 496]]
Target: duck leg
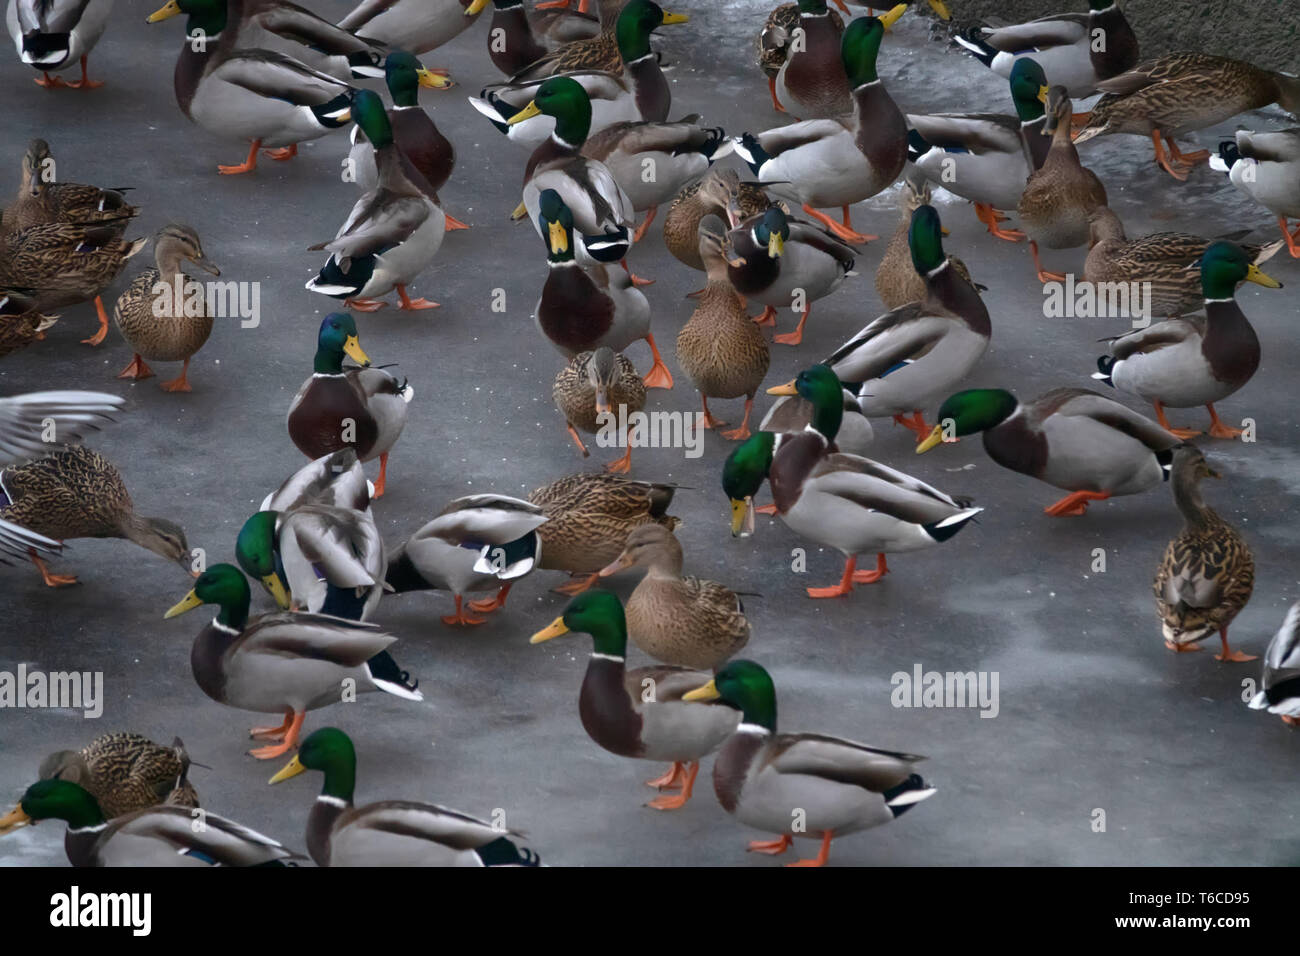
[[1076, 504], [871, 577], [136, 369], [289, 743], [1186, 159], [383, 476], [844, 231], [51, 580], [670, 779], [1165, 162], [795, 337], [845, 585], [1080, 120], [577, 440], [408, 304], [636, 279], [1183, 433], [1218, 429], [741, 433], [272, 733], [460, 618], [1292, 246], [453, 223], [770, 847], [49, 82], [180, 383], [1043, 275], [993, 219], [85, 83], [822, 856], [621, 466], [577, 584], [1183, 648], [639, 234], [102, 333], [678, 800], [247, 166], [495, 604], [658, 376], [771, 88], [709, 420], [283, 153], [1228, 654], [358, 304], [766, 510], [767, 316]]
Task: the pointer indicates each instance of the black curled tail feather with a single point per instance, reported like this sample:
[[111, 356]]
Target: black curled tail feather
[[503, 852], [1105, 366]]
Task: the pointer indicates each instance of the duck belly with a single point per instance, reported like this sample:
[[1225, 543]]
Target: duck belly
[[233, 112], [417, 26], [918, 384], [1085, 455], [1057, 227], [368, 846], [838, 523], [771, 801], [403, 262], [679, 731], [1276, 186], [996, 179], [666, 173], [1068, 65], [1177, 376]]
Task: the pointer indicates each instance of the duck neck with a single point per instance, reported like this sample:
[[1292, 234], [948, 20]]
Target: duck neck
[[667, 562], [959, 297], [1187, 496], [827, 418], [329, 361]]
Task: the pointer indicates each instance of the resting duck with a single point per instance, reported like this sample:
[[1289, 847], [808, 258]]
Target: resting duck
[[415, 25], [593, 385], [42, 199], [126, 772], [1266, 167], [1193, 361], [614, 709], [1071, 438], [1281, 677], [55, 35], [285, 662], [390, 832], [371, 399]]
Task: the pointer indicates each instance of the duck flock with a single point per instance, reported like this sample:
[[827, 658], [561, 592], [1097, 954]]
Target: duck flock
[[300, 595]]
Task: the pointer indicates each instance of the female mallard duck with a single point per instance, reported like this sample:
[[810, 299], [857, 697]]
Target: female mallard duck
[[911, 356], [722, 351], [685, 621], [841, 501], [126, 772], [393, 231], [77, 493], [1193, 360], [1071, 438], [592, 387], [42, 199], [719, 193], [1163, 262], [1062, 193], [517, 37], [335, 479], [589, 517], [415, 25], [54, 35], [582, 309], [286, 662], [897, 281], [766, 780], [986, 157], [1064, 43], [615, 712], [1207, 572], [1266, 167], [156, 836], [1179, 93], [622, 48], [837, 162], [782, 262], [163, 313], [21, 322], [1281, 677], [372, 400], [475, 543], [390, 832]]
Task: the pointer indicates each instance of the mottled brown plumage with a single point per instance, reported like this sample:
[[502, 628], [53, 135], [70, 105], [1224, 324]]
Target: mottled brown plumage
[[590, 516], [21, 323], [897, 281], [1061, 194], [712, 195], [125, 772], [774, 42], [593, 383], [42, 199]]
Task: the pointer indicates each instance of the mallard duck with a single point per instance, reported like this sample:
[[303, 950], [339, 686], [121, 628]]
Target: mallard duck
[[286, 662], [1207, 572], [1193, 361], [1163, 262], [910, 356], [517, 37], [719, 193], [780, 262], [21, 322], [258, 96], [678, 620], [53, 35], [42, 199], [584, 308], [166, 319], [372, 400], [335, 479], [769, 780], [415, 25], [593, 386], [1071, 438], [390, 832], [841, 501], [1266, 167], [837, 162], [614, 707], [77, 493], [157, 836], [776, 39], [1281, 677], [1062, 193], [393, 231], [897, 281], [810, 79], [722, 351], [126, 772], [1179, 93], [1064, 43], [622, 48], [986, 157], [792, 413], [588, 519], [475, 543]]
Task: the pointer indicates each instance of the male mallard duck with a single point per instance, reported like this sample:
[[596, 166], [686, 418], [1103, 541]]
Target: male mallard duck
[[678, 620], [286, 662], [986, 157], [126, 772], [837, 162], [589, 517], [768, 780], [614, 707], [53, 35], [156, 836], [390, 832], [415, 25], [393, 231], [1071, 438], [42, 199], [1163, 262], [592, 386], [1179, 93], [1064, 43], [897, 281], [782, 262], [1207, 572], [719, 191], [792, 413], [841, 501], [372, 400], [810, 79], [21, 322], [335, 479], [911, 356], [1193, 361], [1060, 194], [1281, 677], [475, 543], [77, 493], [171, 325], [1266, 167], [722, 351]]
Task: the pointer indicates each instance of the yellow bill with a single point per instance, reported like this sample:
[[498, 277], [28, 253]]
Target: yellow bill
[[520, 212], [931, 440], [476, 7], [1259, 277], [434, 81], [559, 237], [275, 587], [15, 818], [291, 769], [742, 517], [940, 9], [708, 692], [354, 350], [786, 389], [528, 112], [887, 20], [556, 628], [775, 245], [187, 603], [676, 17], [1042, 94], [166, 12]]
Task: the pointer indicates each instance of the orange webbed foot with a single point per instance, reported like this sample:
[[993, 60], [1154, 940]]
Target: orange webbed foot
[[364, 305], [770, 847]]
